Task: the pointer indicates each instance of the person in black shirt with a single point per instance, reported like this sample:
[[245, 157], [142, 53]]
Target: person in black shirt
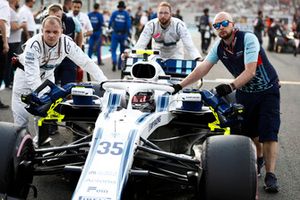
[[204, 29], [259, 26]]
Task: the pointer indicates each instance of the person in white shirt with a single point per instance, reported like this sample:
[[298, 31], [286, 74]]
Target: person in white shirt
[[14, 41], [28, 17], [4, 48], [167, 31], [82, 18], [42, 54]]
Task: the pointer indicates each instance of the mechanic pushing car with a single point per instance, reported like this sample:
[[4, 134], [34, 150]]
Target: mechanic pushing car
[[257, 88], [42, 54], [166, 32]]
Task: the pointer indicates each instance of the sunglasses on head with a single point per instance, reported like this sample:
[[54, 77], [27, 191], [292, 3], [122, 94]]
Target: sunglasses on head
[[224, 23]]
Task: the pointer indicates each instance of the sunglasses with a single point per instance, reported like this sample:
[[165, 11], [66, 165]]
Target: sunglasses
[[224, 23]]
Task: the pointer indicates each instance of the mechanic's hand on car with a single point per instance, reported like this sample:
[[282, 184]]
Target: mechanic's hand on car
[[224, 89], [177, 88]]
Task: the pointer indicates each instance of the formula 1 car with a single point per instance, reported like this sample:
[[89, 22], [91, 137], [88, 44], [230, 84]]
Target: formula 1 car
[[145, 144]]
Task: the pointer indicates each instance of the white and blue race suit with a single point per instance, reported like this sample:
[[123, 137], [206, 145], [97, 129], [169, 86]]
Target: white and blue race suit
[[166, 40], [39, 61]]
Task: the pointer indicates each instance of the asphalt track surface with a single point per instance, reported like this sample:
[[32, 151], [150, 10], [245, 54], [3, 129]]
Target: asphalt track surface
[[288, 173]]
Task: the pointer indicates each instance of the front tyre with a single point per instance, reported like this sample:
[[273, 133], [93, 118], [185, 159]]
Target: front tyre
[[229, 171], [16, 154]]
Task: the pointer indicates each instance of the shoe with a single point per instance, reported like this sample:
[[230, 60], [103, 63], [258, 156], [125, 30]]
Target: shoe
[[260, 164], [114, 68], [3, 106], [271, 185]]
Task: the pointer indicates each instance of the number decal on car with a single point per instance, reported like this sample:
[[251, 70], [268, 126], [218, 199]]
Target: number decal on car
[[106, 147]]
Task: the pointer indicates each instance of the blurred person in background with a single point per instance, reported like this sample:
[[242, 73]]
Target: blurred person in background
[[257, 88], [274, 31], [95, 41], [259, 26], [205, 30], [106, 35], [66, 72], [296, 27], [4, 47], [14, 41], [178, 15], [87, 30], [136, 22], [166, 31], [67, 6], [28, 16], [120, 23]]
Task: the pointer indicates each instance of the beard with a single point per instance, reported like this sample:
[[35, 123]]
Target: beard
[[225, 36], [164, 22], [75, 12]]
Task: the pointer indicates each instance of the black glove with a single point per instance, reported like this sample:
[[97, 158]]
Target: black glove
[[177, 88], [223, 89]]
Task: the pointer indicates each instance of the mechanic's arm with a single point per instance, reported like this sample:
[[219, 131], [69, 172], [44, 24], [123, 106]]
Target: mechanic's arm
[[251, 51], [200, 71], [145, 36], [188, 42], [86, 63], [31, 66]]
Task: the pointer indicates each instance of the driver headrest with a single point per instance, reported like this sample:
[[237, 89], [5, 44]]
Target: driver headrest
[[149, 70]]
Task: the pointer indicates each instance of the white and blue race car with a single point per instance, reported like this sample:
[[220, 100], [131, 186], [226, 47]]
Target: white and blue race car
[[145, 142]]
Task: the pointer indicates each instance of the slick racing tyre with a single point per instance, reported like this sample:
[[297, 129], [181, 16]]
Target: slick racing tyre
[[229, 168], [16, 152]]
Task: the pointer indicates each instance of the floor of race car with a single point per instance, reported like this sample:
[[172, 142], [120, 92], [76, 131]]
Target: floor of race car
[[150, 188]]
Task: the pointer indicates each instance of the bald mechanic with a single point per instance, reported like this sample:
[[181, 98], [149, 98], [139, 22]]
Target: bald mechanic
[[42, 54], [257, 88], [167, 31]]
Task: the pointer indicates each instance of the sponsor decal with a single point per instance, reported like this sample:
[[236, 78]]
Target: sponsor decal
[[154, 123], [97, 190], [93, 198]]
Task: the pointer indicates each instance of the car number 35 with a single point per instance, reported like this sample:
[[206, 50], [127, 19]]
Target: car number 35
[[115, 148]]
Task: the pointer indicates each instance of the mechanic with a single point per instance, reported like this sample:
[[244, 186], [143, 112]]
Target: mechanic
[[257, 88], [120, 22], [95, 41], [167, 32], [42, 54]]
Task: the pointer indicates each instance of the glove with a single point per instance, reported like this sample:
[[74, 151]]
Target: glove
[[223, 89], [177, 88]]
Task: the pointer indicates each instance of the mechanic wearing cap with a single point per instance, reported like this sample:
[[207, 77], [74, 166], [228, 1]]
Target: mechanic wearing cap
[[120, 22], [257, 88], [166, 31], [42, 54]]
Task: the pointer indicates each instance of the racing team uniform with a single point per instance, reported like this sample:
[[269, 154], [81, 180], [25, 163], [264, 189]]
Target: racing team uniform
[[120, 22], [95, 40], [166, 39], [260, 96], [39, 61]]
